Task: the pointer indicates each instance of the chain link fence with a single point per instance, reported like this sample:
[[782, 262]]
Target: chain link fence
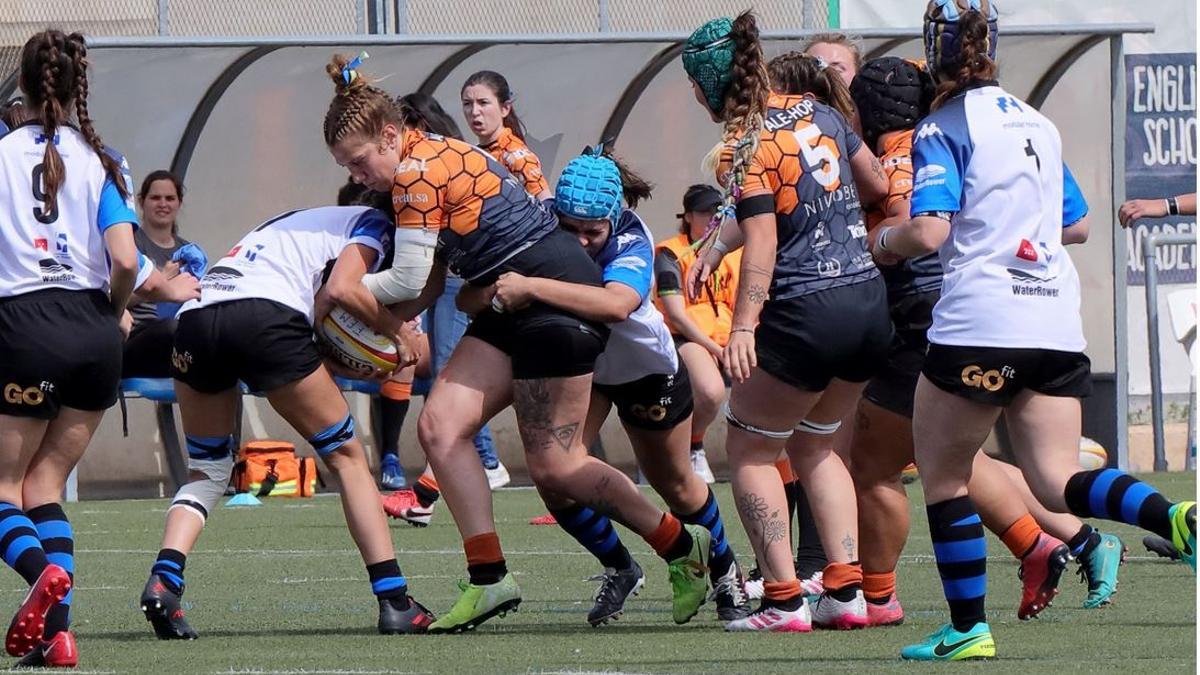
[[242, 18]]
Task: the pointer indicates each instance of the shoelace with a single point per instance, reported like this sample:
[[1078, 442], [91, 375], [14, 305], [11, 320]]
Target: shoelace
[[736, 590], [608, 584]]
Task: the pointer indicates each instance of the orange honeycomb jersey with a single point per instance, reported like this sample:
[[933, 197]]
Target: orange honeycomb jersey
[[483, 212], [897, 163], [516, 156], [913, 275], [712, 312], [803, 161]]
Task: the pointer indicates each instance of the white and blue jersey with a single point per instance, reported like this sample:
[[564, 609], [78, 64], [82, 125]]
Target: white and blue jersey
[[993, 165], [640, 345], [60, 245], [283, 259]]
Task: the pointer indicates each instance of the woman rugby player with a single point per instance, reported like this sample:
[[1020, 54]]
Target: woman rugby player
[[639, 371], [487, 103], [540, 358], [992, 192], [892, 95], [810, 324], [67, 286], [254, 323]]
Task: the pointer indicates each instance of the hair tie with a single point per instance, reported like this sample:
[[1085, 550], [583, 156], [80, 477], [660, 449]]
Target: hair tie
[[350, 72], [821, 65]]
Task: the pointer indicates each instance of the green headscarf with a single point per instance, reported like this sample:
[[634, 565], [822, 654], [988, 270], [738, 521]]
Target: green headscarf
[[708, 59]]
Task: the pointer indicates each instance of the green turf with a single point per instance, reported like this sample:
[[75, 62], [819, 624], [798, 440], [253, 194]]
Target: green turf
[[280, 589]]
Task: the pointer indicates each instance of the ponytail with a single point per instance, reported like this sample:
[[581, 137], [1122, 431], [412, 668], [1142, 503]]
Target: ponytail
[[795, 74], [633, 187]]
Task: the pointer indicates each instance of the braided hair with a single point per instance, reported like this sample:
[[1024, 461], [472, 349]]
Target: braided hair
[[53, 75], [741, 114], [358, 107], [960, 44]]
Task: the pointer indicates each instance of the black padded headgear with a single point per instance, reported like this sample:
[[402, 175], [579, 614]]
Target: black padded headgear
[[890, 94]]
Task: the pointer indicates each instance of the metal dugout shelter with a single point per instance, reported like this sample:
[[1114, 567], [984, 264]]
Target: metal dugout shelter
[[240, 120]]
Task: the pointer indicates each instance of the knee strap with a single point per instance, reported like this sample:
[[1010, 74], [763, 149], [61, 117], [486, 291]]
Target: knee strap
[[818, 429], [212, 457], [334, 436], [733, 421], [208, 447]]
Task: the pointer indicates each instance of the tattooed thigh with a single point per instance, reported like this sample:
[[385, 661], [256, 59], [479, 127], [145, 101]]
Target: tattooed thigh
[[534, 405]]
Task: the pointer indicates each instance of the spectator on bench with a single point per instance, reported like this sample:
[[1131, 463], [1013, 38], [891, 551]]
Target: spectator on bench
[[148, 349]]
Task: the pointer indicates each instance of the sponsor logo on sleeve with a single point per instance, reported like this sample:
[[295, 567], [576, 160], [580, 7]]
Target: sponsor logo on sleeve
[[629, 262], [928, 176], [928, 130]]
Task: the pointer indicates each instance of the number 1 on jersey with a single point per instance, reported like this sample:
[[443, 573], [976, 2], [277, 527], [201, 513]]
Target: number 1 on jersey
[[1033, 153]]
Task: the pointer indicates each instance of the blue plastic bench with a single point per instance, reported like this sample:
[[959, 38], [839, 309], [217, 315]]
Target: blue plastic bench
[[162, 392]]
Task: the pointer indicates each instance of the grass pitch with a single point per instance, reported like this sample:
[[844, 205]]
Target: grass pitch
[[281, 589]]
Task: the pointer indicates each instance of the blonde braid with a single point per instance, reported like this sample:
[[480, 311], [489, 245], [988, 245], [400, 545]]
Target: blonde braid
[[732, 180]]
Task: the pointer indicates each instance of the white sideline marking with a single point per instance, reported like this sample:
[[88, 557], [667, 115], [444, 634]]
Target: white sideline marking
[[26, 671], [81, 589], [358, 580], [306, 671], [582, 671], [318, 553]]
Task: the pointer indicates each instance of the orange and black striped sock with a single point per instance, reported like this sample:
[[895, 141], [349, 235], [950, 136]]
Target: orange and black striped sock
[[669, 540], [426, 490], [785, 595], [485, 560], [879, 586], [843, 580]]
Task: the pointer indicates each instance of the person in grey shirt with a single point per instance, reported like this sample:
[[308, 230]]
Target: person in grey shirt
[[148, 349]]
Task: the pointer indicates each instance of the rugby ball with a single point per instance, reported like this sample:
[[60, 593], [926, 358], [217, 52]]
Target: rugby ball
[[355, 345], [1091, 454]]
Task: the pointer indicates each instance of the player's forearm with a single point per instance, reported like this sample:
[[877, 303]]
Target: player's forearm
[[597, 303], [758, 267], [676, 311]]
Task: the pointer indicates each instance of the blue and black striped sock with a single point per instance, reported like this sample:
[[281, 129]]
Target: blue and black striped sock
[[595, 531], [1115, 495], [58, 541], [709, 517], [961, 554], [19, 543], [169, 567], [387, 583]]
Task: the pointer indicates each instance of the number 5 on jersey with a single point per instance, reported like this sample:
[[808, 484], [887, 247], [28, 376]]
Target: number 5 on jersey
[[820, 154]]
